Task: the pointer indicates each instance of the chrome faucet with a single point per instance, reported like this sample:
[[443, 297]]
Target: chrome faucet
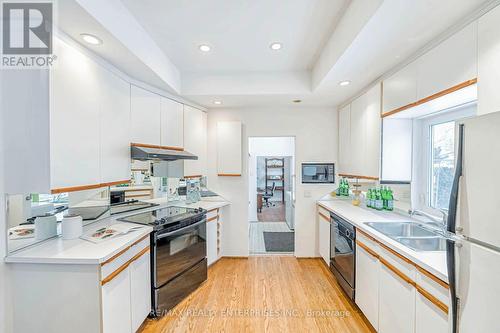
[[442, 223]]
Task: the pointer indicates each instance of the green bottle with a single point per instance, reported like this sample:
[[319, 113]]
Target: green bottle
[[368, 198], [378, 200], [383, 193], [346, 187], [390, 200]]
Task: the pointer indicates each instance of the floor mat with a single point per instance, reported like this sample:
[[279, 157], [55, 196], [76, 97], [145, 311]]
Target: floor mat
[[279, 241]]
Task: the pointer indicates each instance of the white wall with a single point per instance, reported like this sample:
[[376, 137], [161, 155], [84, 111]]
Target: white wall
[[265, 146], [316, 140]]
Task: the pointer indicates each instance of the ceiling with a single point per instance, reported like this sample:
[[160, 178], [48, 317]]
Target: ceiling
[[239, 32], [324, 42]]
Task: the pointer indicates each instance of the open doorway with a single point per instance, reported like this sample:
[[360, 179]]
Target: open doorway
[[271, 213]]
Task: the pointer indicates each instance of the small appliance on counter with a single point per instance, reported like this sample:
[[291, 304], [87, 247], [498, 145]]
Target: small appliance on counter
[[193, 190], [72, 226], [45, 227]]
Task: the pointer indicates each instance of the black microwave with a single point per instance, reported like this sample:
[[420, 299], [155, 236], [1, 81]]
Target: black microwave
[[318, 173]]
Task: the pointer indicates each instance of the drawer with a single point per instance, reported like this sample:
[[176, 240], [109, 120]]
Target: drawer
[[123, 257], [368, 242], [323, 213], [212, 215], [433, 285], [399, 262]]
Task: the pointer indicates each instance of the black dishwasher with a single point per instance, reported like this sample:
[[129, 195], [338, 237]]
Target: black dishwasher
[[343, 253]]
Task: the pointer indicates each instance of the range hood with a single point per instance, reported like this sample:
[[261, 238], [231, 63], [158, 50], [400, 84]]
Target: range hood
[[159, 153]]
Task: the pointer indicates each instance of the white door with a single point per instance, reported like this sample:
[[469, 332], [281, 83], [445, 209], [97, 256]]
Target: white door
[[140, 290], [74, 120], [396, 303], [172, 123], [372, 135], [211, 242], [195, 140], [429, 318], [367, 284], [344, 161], [116, 304], [114, 128], [358, 136], [146, 116]]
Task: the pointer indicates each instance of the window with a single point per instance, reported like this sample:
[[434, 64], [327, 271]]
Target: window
[[434, 158], [442, 164]]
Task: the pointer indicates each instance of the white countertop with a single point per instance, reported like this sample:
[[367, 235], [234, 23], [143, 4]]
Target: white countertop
[[434, 262], [79, 251]]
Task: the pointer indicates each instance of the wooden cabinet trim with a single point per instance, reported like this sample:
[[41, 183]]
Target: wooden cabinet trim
[[119, 182], [146, 145], [367, 249], [123, 251], [213, 210], [443, 307], [193, 176], [326, 218], [120, 269], [432, 97], [433, 277], [229, 175], [347, 175], [140, 240], [213, 218], [86, 187], [397, 271]]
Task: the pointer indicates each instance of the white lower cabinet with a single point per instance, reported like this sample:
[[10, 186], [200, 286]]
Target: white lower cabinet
[[116, 304], [367, 284], [140, 289], [212, 242], [324, 239], [428, 317], [396, 303]]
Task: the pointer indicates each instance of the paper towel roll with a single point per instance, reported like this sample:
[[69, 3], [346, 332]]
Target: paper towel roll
[[72, 226], [45, 227]]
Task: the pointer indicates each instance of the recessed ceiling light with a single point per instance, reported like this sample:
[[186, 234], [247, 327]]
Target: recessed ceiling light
[[91, 39], [276, 46], [218, 102], [204, 48], [297, 101], [344, 83]]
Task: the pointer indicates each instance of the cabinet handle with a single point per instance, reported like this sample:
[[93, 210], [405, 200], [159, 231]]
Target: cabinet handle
[[120, 269], [367, 249], [431, 298], [213, 218], [397, 272]]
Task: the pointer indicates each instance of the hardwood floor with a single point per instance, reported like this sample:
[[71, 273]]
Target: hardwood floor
[[273, 213], [264, 294]]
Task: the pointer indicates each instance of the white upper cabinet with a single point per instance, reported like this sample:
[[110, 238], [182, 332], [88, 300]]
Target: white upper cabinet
[[114, 128], [397, 148], [172, 123], [229, 148], [452, 62], [344, 163], [489, 62], [195, 141], [400, 89], [146, 116], [360, 147], [74, 119]]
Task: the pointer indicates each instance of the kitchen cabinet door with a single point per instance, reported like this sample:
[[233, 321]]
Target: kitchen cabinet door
[[488, 62], [140, 290], [400, 89], [114, 128], [212, 242], [116, 305], [195, 141], [172, 123], [396, 303], [145, 116], [450, 63], [372, 120], [358, 136], [229, 148], [344, 163], [324, 239], [74, 119], [428, 317], [367, 285]]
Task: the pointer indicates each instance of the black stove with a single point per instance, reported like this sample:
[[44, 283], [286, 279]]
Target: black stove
[[168, 218]]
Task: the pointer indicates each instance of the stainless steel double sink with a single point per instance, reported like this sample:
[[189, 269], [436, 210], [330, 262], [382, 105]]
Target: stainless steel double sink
[[411, 234]]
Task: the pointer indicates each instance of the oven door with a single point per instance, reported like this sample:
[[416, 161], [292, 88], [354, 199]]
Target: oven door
[[177, 251], [342, 251]]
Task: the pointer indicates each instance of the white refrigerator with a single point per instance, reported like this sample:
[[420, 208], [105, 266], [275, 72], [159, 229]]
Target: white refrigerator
[[474, 219]]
